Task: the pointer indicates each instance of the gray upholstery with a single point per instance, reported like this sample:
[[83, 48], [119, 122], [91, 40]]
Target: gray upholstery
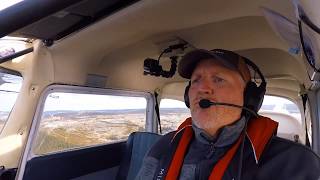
[[138, 145]]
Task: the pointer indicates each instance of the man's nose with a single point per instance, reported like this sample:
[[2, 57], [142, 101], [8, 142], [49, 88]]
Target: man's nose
[[205, 87]]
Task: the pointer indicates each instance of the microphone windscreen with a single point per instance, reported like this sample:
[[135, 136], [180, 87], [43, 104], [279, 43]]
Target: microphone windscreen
[[205, 103]]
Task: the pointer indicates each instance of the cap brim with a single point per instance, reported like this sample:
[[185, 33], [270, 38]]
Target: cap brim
[[191, 59]]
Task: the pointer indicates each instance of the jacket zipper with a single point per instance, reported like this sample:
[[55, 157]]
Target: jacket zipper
[[208, 156], [212, 149]]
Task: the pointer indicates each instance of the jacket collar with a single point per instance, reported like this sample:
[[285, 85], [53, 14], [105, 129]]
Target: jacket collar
[[227, 136]]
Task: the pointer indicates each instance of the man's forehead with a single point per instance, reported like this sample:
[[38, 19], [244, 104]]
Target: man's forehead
[[210, 65]]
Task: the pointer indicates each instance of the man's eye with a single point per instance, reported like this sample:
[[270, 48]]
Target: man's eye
[[218, 79], [194, 81]]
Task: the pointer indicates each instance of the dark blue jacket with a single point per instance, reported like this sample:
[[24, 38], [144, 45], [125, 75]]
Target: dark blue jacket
[[281, 159]]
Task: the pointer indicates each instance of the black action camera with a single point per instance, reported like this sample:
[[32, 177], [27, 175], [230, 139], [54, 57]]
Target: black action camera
[[152, 67]]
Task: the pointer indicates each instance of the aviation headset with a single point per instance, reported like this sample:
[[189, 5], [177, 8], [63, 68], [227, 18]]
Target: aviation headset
[[253, 94]]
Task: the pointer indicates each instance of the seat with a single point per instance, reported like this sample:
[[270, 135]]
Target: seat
[[138, 144]]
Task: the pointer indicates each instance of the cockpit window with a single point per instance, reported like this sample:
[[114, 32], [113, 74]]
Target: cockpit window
[[77, 120], [288, 114], [11, 45], [10, 85], [281, 105], [172, 113]]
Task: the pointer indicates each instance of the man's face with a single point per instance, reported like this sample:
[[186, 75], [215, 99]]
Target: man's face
[[212, 81]]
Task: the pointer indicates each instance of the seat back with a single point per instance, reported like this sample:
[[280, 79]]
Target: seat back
[[138, 144]]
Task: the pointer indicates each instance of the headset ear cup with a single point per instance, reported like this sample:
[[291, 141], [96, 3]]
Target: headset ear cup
[[186, 95], [253, 96]]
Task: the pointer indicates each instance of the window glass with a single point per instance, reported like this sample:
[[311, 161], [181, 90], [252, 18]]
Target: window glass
[[309, 124], [288, 115], [280, 105], [9, 89], [172, 113], [11, 45], [72, 120]]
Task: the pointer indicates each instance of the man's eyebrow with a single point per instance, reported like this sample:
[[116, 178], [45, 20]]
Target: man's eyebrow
[[219, 73]]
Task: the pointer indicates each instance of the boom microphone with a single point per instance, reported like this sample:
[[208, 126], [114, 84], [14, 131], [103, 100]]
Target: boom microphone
[[205, 103]]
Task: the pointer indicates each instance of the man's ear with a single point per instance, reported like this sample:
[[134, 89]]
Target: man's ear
[[253, 96], [186, 95]]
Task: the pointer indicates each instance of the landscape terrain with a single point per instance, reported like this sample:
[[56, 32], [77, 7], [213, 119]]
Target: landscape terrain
[[62, 130]]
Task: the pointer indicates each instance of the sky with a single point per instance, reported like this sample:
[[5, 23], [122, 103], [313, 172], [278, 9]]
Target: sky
[[68, 101], [7, 3], [71, 101]]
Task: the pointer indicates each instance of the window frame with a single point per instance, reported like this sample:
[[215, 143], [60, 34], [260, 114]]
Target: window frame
[[28, 155], [9, 71]]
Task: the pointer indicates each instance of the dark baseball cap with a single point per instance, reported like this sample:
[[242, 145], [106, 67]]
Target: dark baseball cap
[[229, 59]]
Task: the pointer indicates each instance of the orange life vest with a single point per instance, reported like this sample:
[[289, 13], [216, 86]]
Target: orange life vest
[[259, 130]]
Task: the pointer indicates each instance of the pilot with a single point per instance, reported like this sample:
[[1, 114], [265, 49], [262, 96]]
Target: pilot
[[225, 138]]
